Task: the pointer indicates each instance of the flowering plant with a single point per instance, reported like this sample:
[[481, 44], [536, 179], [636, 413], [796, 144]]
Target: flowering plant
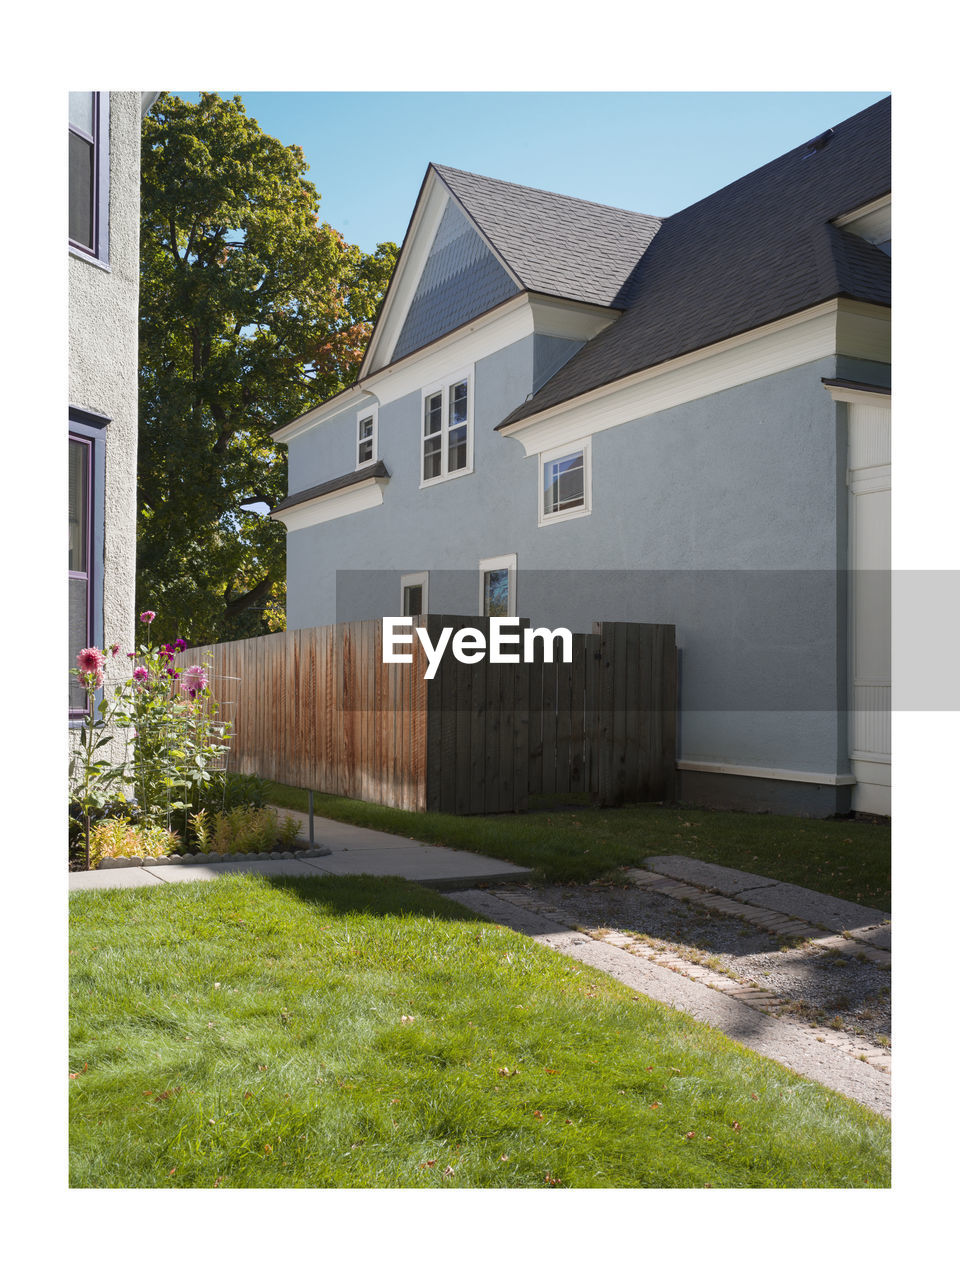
[[176, 736], [95, 781]]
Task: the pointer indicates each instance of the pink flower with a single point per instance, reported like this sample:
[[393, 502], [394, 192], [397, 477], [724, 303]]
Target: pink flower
[[147, 616], [193, 681], [89, 661], [141, 674], [179, 644], [114, 649]]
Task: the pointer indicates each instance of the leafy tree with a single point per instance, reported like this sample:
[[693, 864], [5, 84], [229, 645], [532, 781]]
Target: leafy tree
[[252, 311]]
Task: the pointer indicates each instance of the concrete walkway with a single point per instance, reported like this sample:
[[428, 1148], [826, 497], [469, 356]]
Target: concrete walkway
[[342, 850]]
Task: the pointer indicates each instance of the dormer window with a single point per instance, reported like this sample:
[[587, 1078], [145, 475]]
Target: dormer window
[[447, 439], [366, 437]]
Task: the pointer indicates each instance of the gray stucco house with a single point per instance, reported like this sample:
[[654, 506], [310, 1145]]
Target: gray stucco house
[[104, 271], [570, 412]]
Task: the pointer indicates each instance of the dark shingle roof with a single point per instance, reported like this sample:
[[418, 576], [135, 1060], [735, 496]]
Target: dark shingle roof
[[754, 252], [368, 472], [555, 244]]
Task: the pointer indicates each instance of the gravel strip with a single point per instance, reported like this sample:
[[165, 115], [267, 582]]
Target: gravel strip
[[823, 988]]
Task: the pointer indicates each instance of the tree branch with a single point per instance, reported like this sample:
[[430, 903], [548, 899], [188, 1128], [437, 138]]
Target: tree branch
[[250, 599]]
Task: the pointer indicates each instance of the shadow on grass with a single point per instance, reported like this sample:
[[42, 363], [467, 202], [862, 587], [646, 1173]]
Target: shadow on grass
[[370, 895]]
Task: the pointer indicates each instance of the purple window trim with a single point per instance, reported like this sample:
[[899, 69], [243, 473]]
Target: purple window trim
[[99, 252], [90, 429], [85, 575]]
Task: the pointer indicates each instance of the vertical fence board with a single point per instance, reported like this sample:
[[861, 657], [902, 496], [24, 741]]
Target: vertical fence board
[[478, 726], [564, 724], [535, 729], [577, 725], [548, 714], [636, 674]]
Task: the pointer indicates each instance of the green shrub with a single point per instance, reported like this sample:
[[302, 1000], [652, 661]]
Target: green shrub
[[116, 838], [245, 830], [289, 832]]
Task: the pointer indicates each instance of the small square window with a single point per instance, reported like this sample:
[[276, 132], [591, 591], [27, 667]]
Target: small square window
[[565, 483]]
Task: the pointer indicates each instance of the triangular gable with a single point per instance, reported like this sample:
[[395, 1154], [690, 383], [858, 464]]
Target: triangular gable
[[447, 273], [461, 279]]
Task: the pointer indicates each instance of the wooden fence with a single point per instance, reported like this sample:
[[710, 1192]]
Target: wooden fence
[[318, 708]]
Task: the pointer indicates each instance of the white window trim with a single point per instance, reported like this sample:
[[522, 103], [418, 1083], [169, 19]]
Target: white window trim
[[464, 375], [362, 417], [551, 455], [501, 562], [415, 580]]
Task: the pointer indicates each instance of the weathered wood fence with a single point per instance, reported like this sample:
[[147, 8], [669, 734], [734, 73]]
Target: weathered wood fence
[[318, 708]]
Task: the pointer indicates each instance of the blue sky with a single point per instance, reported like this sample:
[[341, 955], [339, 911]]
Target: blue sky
[[651, 152]]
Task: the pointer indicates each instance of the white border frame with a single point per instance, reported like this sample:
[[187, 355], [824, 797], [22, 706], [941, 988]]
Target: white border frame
[[508, 562], [463, 375], [362, 415], [550, 455], [421, 579]]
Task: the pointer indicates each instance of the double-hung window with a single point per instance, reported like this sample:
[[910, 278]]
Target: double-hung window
[[447, 439], [366, 437], [85, 531], [564, 483], [88, 136]]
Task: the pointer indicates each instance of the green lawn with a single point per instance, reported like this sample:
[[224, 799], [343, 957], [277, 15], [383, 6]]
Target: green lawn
[[845, 858], [360, 1032]]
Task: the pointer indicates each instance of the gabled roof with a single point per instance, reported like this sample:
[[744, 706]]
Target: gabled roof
[[756, 251], [474, 242], [555, 244]]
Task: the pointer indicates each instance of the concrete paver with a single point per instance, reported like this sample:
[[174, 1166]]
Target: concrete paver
[[707, 874], [807, 904]]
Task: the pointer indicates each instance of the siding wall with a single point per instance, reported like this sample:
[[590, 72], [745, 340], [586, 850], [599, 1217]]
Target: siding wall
[[743, 480]]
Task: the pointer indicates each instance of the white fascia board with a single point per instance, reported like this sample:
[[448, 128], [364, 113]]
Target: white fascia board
[[870, 222], [773, 348], [331, 506], [352, 397], [489, 333], [848, 395], [778, 775]]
